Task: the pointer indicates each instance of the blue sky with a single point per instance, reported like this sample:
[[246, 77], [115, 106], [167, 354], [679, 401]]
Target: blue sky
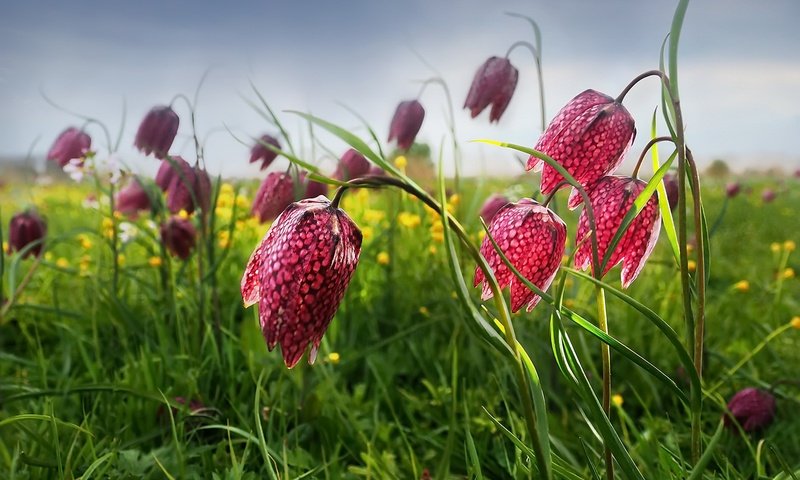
[[740, 69]]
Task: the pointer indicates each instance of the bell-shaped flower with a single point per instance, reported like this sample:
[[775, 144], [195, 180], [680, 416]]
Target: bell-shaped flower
[[671, 187], [732, 189], [494, 84], [351, 165], [611, 199], [70, 144], [179, 235], [492, 205], [533, 238], [189, 188], [406, 123], [312, 188], [376, 170], [751, 408], [768, 195], [26, 228], [298, 275], [588, 137], [260, 151], [274, 194], [167, 169], [157, 131], [132, 199]]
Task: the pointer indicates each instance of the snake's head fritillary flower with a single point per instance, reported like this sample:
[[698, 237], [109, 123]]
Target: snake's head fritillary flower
[[260, 151], [751, 408], [533, 238], [179, 235], [167, 169], [157, 131], [611, 199], [492, 205], [189, 188], [588, 137], [298, 275], [70, 144], [312, 188], [132, 199], [376, 170], [732, 189], [24, 229], [494, 84], [768, 195], [275, 194], [406, 123], [671, 187], [351, 165]]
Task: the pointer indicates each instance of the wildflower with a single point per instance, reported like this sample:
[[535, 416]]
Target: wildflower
[[432, 250], [76, 169], [224, 239], [70, 144], [775, 247], [62, 263], [334, 358], [261, 152], [83, 265], [154, 261], [298, 275], [376, 170], [189, 189], [121, 259], [795, 322], [275, 193], [108, 227], [494, 84], [768, 195], [532, 237], [406, 123], [383, 258], [692, 265], [373, 216], [491, 206], [437, 231], [26, 229], [671, 186], [742, 286], [367, 233], [751, 408], [312, 188], [401, 162], [178, 235], [423, 310], [732, 189], [132, 199], [788, 273], [789, 245], [157, 131], [127, 232], [351, 165], [588, 137], [611, 199], [408, 220], [617, 400], [167, 170]]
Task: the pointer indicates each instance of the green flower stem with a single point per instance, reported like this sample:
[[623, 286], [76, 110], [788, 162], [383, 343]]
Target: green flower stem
[[605, 358]]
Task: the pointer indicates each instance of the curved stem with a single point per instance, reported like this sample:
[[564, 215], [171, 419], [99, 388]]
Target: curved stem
[[451, 124], [537, 35], [637, 79], [558, 186], [523, 43], [646, 149]]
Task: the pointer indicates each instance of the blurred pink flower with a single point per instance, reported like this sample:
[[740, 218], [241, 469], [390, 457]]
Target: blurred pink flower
[[274, 194], [494, 84], [26, 228], [751, 408], [157, 131], [260, 152], [491, 206], [178, 236], [351, 165], [406, 123], [70, 144]]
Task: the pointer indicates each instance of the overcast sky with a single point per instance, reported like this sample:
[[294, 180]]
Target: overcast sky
[[739, 72]]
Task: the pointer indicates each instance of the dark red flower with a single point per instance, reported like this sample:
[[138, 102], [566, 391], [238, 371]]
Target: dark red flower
[[351, 165], [751, 408], [178, 235], [298, 275], [26, 228], [263, 153], [768, 195], [188, 189], [167, 170], [611, 199], [132, 199], [492, 205], [275, 193], [376, 170], [732, 189], [157, 131], [494, 84], [71, 144], [311, 188], [671, 187], [533, 238], [406, 123], [588, 137]]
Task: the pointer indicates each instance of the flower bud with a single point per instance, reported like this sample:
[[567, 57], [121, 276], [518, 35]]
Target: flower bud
[[406, 123], [732, 189], [157, 131], [25, 229]]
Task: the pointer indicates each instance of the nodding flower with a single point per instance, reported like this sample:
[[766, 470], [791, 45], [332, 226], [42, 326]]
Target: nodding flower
[[26, 228], [157, 131], [260, 151], [494, 84], [751, 408], [351, 165], [406, 123], [71, 144], [178, 235], [274, 194]]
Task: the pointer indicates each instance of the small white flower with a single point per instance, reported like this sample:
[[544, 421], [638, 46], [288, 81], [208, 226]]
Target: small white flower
[[75, 169], [127, 232]]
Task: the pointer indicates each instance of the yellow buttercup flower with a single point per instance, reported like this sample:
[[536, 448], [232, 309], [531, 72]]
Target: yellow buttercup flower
[[617, 400], [373, 216], [121, 259], [62, 263], [742, 286], [788, 273], [408, 220], [775, 247], [789, 245], [424, 310], [366, 232], [5, 247], [795, 322], [334, 358], [154, 261], [85, 242], [437, 231], [401, 162], [383, 258], [454, 199], [692, 265], [432, 249], [183, 214]]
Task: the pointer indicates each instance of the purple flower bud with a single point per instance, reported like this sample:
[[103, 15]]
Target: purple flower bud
[[71, 144], [188, 189], [24, 229], [494, 84], [406, 123], [611, 199], [351, 165], [132, 199], [275, 194], [491, 206], [768, 195], [751, 408], [157, 131], [732, 189], [588, 137], [178, 235], [671, 187], [262, 152], [533, 238], [298, 275], [313, 189]]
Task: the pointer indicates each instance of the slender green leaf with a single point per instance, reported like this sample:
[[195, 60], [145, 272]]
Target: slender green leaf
[[663, 201]]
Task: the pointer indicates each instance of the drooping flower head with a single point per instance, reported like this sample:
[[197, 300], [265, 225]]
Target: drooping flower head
[[494, 84], [178, 235], [768, 195], [351, 165], [24, 229], [376, 170], [732, 189], [751, 408], [406, 123], [533, 238], [263, 153], [671, 187], [588, 137], [132, 199], [167, 170], [71, 144], [611, 199], [157, 131], [274, 194], [312, 188], [298, 275], [492, 205], [189, 188]]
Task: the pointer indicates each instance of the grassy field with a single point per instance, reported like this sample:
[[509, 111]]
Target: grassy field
[[150, 375]]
